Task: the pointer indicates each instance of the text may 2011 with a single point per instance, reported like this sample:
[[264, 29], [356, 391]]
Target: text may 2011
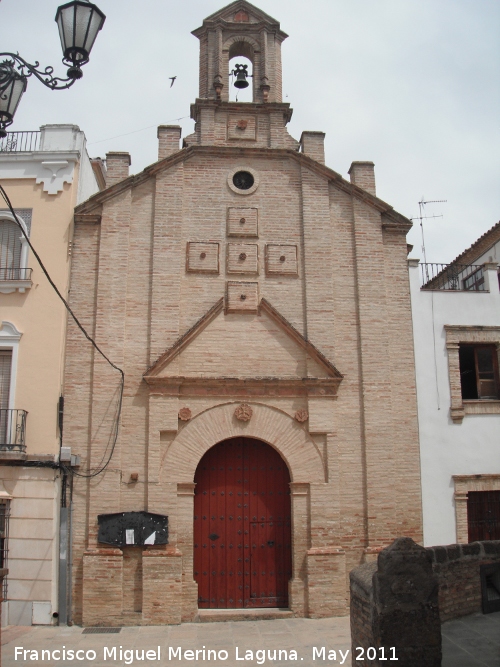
[[261, 656]]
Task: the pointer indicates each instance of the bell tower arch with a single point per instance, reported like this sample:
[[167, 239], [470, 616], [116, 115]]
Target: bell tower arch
[[240, 29]]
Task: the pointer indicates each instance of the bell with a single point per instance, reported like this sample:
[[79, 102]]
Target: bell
[[241, 76]]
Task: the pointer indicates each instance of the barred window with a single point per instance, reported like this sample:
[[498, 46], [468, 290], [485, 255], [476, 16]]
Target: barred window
[[4, 539]]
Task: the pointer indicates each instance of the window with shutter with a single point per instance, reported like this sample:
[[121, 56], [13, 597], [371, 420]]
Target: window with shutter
[[10, 250], [5, 376], [479, 372]]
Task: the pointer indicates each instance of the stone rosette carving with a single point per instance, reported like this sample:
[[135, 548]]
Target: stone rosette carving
[[243, 412], [185, 414], [301, 416]]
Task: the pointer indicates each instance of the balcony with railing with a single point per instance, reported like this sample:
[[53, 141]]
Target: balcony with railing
[[14, 273], [14, 279], [13, 431], [16, 142], [452, 277]]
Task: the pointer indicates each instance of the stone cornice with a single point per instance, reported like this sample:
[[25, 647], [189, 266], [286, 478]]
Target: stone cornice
[[243, 387], [391, 217], [51, 168], [242, 28], [39, 156], [246, 107], [87, 218]]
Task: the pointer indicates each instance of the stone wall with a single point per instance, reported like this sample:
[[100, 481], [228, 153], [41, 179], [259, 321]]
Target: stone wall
[[401, 600], [394, 608]]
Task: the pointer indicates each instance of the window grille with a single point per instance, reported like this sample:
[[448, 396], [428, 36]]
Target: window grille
[[4, 539], [483, 515]]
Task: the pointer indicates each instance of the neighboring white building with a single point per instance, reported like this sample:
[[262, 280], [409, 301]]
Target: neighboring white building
[[456, 324], [45, 174]]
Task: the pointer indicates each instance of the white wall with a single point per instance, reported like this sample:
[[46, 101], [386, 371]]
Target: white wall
[[447, 448]]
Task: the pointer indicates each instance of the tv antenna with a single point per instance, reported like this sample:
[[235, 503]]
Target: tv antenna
[[422, 217]]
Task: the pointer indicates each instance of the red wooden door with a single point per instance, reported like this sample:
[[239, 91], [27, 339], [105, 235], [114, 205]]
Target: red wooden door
[[242, 526]]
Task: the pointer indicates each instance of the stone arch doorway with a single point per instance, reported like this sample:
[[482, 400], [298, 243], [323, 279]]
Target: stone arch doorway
[[242, 526]]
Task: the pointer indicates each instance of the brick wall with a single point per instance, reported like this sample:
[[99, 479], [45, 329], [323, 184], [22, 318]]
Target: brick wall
[[457, 568], [349, 297]]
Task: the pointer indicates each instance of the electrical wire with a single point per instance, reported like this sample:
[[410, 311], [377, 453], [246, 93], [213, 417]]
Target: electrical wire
[[100, 467], [93, 143]]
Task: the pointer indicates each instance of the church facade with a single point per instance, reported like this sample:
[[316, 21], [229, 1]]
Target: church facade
[[259, 306]]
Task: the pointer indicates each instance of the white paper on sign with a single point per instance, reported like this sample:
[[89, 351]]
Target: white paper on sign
[[129, 536], [151, 538]]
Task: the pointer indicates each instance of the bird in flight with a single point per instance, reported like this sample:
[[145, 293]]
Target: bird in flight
[[172, 79]]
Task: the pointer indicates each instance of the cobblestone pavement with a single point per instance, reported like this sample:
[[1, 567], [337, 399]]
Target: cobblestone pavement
[[472, 641], [246, 637]]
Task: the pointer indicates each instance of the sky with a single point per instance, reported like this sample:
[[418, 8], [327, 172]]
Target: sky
[[412, 85]]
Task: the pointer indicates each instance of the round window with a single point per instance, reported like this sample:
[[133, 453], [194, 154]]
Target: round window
[[243, 180]]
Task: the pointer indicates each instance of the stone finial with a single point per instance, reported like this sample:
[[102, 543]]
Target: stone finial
[[363, 175], [168, 140], [117, 167]]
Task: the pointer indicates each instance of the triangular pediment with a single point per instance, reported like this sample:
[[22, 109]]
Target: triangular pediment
[[235, 13], [234, 348], [90, 209]]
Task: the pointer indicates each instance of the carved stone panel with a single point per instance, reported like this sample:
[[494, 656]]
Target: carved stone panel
[[281, 260], [242, 221], [241, 127], [242, 258], [202, 257], [242, 297]]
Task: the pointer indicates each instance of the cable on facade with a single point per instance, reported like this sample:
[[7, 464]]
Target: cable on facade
[[100, 467]]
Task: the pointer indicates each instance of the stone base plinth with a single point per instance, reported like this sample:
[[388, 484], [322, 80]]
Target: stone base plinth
[[161, 586], [326, 576], [102, 587]]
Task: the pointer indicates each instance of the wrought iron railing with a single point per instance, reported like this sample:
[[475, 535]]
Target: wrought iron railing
[[13, 430], [16, 142], [7, 273], [452, 277]]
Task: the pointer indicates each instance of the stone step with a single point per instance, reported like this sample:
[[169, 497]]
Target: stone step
[[257, 614]]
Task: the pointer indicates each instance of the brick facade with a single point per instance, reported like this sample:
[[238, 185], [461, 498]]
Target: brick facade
[[326, 337]]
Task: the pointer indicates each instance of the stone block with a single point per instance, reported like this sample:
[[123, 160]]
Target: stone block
[[202, 257], [242, 221], [242, 297], [281, 260]]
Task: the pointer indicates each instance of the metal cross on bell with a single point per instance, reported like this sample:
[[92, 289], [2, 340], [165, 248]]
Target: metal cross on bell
[[241, 76]]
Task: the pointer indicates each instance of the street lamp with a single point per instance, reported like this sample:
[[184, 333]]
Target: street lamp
[[79, 22]]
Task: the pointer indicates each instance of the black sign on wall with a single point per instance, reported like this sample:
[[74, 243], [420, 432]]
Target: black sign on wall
[[132, 529]]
